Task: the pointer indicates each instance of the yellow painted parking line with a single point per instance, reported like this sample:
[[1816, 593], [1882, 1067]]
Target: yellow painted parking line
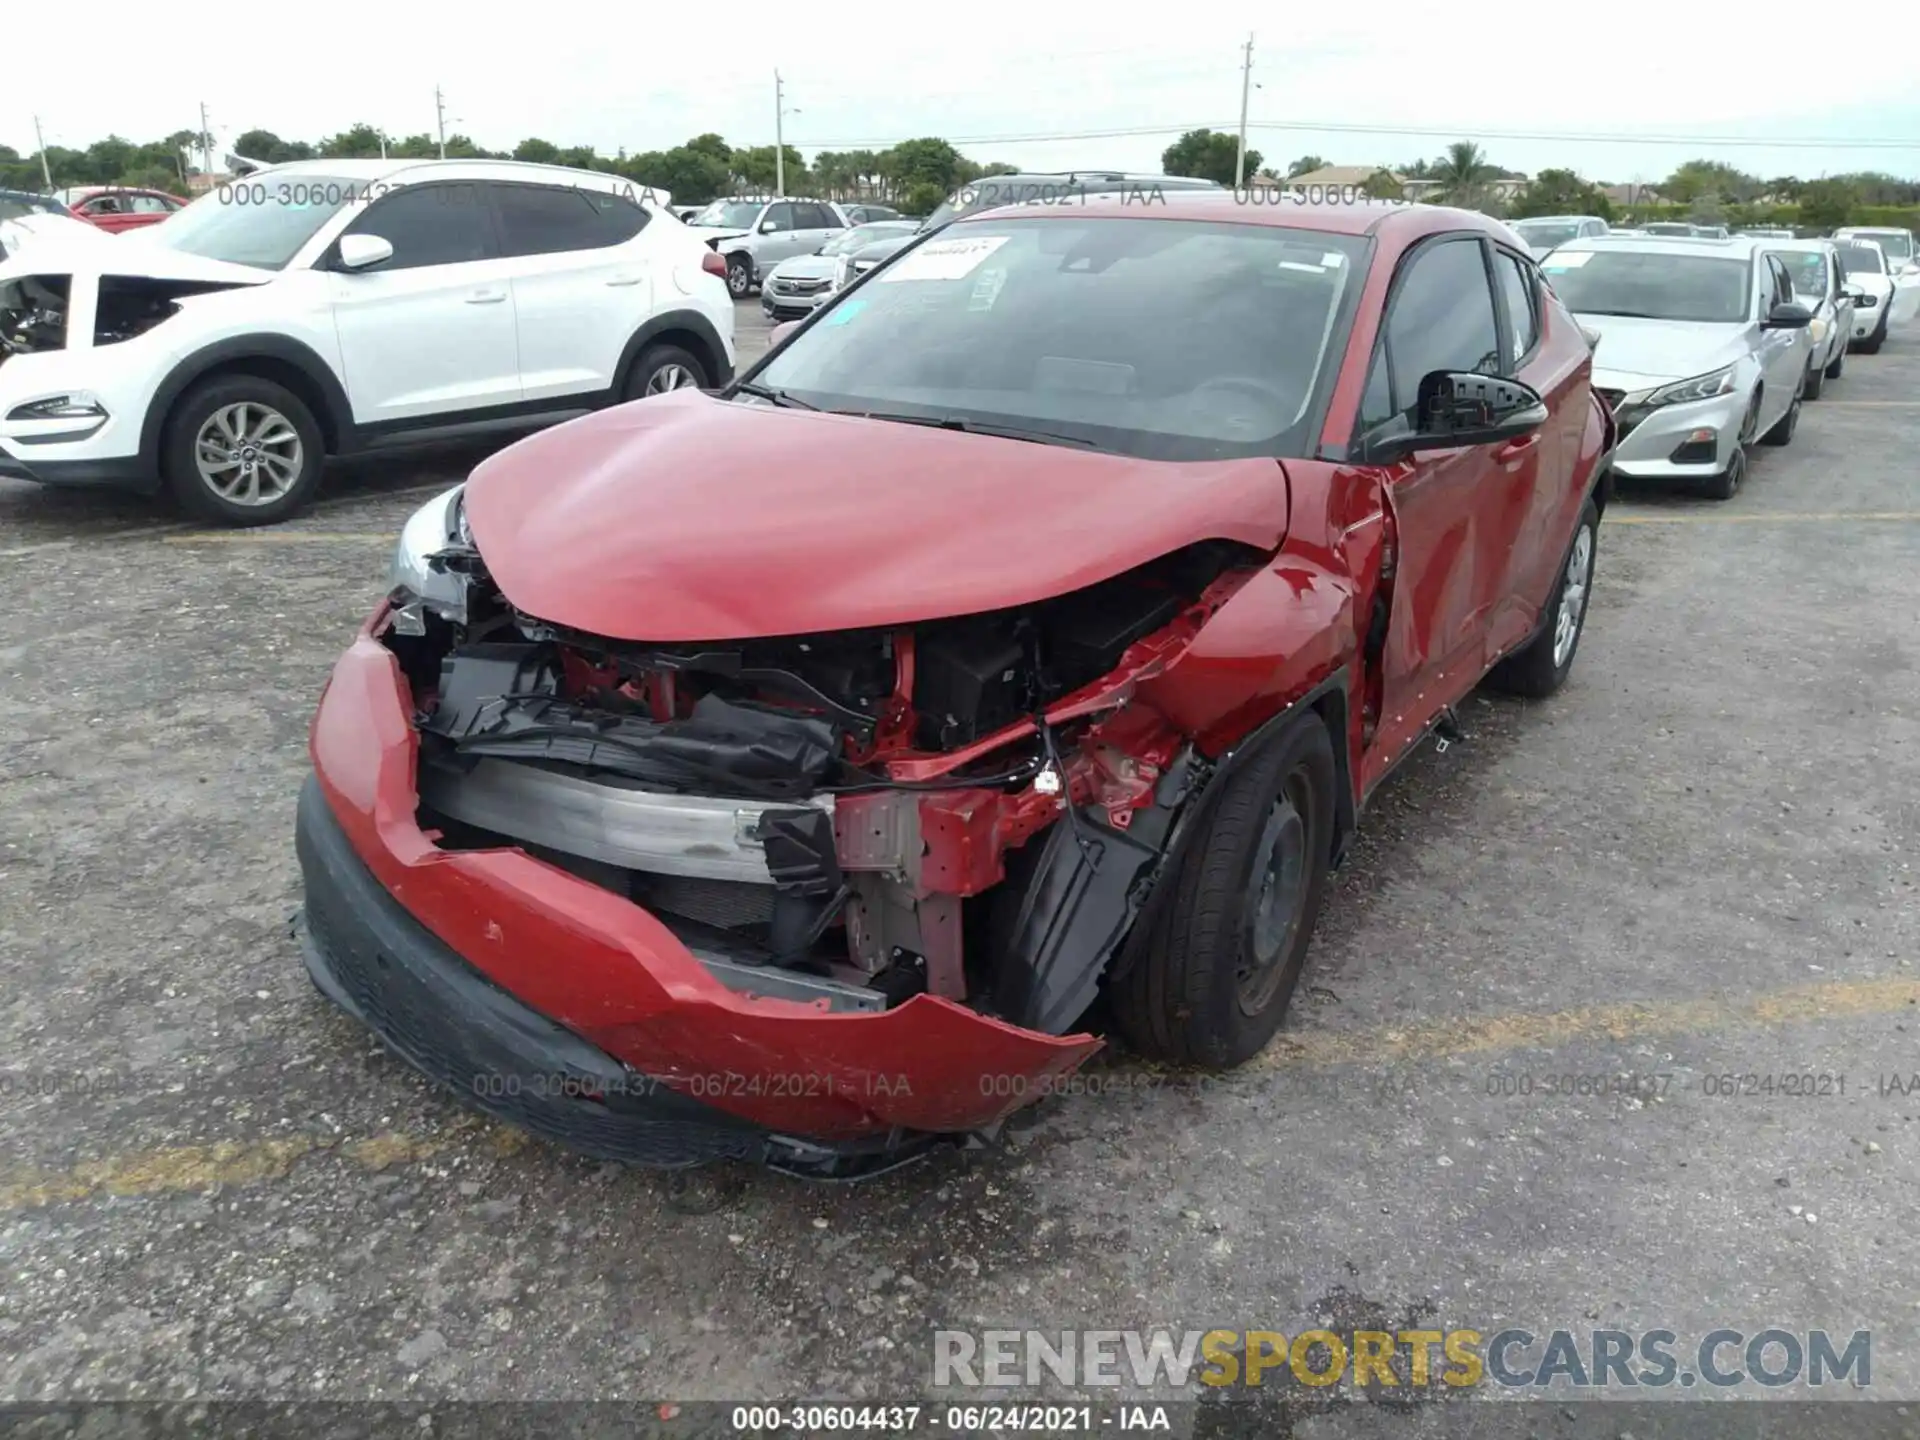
[[281, 537], [1442, 1039], [1780, 517], [185, 1168], [189, 1168]]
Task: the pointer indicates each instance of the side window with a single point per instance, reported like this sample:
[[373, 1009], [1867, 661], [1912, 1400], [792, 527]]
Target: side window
[[781, 217], [150, 205], [1376, 402], [1523, 313], [429, 225], [548, 219], [814, 217], [1442, 316]]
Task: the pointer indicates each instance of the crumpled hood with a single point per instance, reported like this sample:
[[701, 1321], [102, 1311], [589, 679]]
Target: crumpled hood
[[689, 518], [52, 242], [1653, 352]]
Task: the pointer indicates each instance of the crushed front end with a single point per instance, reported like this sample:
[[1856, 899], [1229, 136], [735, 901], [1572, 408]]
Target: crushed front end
[[819, 901]]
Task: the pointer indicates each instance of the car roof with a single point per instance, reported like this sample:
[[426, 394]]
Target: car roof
[[1732, 247], [1869, 230], [1552, 219], [410, 172], [1393, 220]]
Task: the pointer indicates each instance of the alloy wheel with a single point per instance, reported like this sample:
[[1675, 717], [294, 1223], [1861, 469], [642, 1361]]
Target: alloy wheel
[[1573, 596], [671, 377], [248, 453]]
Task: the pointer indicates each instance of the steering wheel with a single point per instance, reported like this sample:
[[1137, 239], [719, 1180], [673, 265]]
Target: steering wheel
[[1275, 407]]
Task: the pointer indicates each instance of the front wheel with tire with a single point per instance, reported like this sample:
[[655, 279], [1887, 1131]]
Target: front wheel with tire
[[1871, 345], [663, 368], [241, 450], [1839, 362], [1214, 961], [1816, 382], [739, 276], [1543, 665]]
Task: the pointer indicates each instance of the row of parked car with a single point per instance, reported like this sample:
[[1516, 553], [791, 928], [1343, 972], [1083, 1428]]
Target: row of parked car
[[1706, 342], [109, 207]]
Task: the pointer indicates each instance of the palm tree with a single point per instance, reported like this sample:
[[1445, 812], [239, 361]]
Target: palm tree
[[1465, 176]]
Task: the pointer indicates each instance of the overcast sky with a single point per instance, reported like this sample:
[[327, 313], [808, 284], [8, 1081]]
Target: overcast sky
[[647, 77]]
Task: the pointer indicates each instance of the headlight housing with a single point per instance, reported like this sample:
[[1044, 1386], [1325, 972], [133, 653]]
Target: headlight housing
[[419, 584], [1700, 387]]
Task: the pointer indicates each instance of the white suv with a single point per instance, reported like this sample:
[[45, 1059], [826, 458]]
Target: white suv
[[332, 306]]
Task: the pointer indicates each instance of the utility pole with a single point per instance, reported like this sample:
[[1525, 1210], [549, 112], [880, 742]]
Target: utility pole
[[45, 173], [1246, 85], [440, 111], [779, 138], [383, 144], [206, 141]]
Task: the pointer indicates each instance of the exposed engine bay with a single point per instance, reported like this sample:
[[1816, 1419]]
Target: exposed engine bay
[[964, 806], [34, 308]]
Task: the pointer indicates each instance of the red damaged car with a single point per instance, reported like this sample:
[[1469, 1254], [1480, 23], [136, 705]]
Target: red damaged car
[[782, 773]]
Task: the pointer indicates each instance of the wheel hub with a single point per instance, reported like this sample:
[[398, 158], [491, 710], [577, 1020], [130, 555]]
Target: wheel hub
[[1273, 913]]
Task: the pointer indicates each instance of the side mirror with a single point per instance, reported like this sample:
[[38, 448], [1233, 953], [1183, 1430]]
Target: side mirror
[[358, 252], [1788, 315], [767, 227], [1853, 293], [1458, 408]]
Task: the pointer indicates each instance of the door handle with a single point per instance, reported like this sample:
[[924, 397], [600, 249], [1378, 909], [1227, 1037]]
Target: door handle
[[624, 279], [1514, 449], [486, 297]]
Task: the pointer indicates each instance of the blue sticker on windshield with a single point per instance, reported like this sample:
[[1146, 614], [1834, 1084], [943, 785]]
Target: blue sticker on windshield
[[841, 314]]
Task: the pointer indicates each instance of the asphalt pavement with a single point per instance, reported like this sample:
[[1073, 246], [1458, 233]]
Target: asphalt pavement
[[1694, 865]]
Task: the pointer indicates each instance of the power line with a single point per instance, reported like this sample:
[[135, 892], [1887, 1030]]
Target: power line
[[1443, 132]]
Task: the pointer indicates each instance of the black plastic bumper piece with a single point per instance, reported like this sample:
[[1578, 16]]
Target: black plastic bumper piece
[[130, 474], [498, 1054]]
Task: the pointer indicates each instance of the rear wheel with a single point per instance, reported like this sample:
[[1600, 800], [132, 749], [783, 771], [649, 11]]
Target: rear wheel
[[240, 450], [739, 276], [1211, 970], [1542, 667], [1783, 428], [661, 368]]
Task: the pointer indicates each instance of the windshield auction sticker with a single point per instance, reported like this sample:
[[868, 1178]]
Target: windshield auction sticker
[[944, 259]]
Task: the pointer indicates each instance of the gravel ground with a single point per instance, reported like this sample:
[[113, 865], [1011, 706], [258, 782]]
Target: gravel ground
[[1694, 862]]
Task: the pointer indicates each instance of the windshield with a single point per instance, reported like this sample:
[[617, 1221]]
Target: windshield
[[1707, 289], [1897, 244], [1545, 234], [1862, 260], [728, 215], [1171, 340], [1669, 228], [1808, 269], [262, 223], [848, 241]]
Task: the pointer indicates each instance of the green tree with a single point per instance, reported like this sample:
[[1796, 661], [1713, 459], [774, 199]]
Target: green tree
[[1827, 204], [927, 161], [1382, 185], [1306, 164], [536, 151], [1207, 155], [356, 142], [1465, 177], [754, 170], [1561, 192], [1702, 177], [922, 199]]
